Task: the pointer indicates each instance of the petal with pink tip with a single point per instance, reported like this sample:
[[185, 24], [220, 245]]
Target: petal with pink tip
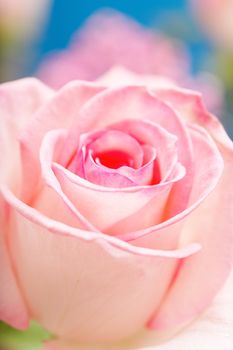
[[210, 224]]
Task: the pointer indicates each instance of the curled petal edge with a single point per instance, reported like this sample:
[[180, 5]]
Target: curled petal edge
[[106, 241]]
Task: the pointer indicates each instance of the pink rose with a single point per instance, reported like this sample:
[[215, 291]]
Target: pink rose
[[116, 207], [110, 38]]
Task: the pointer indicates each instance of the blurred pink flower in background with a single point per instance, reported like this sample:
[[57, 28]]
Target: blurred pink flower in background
[[216, 18], [109, 38]]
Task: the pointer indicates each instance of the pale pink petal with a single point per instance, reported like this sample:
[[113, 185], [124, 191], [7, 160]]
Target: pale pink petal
[[212, 331], [77, 284], [211, 224], [120, 76], [57, 113], [105, 208], [19, 100], [191, 108], [12, 307]]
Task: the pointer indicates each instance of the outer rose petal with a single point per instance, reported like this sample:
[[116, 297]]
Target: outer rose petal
[[211, 224], [120, 76], [213, 331], [51, 265], [18, 101], [12, 307], [58, 113]]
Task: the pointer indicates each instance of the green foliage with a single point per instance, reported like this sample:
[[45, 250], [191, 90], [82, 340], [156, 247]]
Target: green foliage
[[31, 339]]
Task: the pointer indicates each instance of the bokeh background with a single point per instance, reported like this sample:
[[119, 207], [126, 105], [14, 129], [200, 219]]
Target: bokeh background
[[30, 30], [33, 30], [61, 18]]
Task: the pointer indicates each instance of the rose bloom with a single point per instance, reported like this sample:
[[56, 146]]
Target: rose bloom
[[109, 38], [216, 18], [116, 207]]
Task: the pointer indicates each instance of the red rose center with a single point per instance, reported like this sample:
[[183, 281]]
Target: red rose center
[[114, 159]]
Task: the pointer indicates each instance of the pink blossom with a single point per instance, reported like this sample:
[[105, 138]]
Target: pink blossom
[[116, 210]]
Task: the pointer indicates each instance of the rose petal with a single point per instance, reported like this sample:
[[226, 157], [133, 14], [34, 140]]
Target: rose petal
[[213, 331], [105, 208], [12, 307], [49, 254], [211, 224], [120, 76], [19, 100], [59, 112]]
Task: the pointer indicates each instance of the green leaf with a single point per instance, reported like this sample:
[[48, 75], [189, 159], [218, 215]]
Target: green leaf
[[31, 339]]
